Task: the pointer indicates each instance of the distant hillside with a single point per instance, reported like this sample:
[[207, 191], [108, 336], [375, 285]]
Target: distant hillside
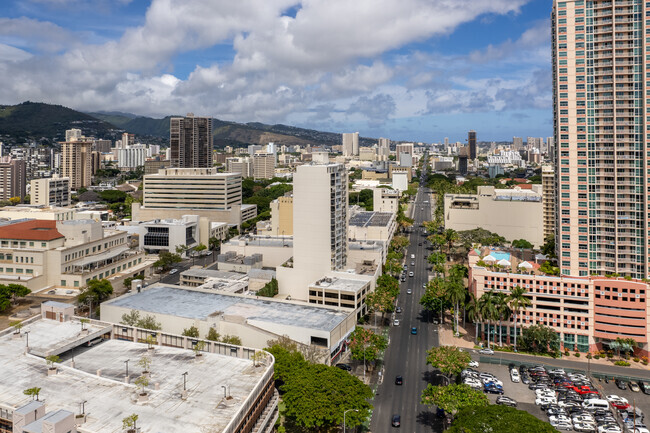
[[232, 133], [33, 120]]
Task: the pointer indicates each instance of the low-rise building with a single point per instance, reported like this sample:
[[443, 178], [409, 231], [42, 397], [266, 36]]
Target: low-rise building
[[275, 250], [232, 282], [511, 213], [282, 216], [340, 290], [385, 200], [370, 226], [231, 261], [51, 213]]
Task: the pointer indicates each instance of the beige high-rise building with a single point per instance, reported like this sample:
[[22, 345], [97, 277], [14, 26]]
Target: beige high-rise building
[[403, 148], [52, 191], [548, 200], [190, 141], [282, 216], [383, 150], [13, 178], [517, 143], [263, 165], [350, 144], [243, 166], [599, 59], [76, 162]]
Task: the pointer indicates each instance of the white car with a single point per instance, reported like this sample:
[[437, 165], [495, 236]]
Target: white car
[[514, 376], [396, 322], [609, 428], [614, 398], [562, 425], [544, 393], [473, 364], [557, 371], [588, 419], [474, 383], [638, 429], [409, 291], [558, 418], [545, 400], [486, 352], [410, 274], [173, 271], [583, 427]]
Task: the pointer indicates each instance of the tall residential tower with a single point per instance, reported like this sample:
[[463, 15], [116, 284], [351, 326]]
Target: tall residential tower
[[599, 58], [190, 140]]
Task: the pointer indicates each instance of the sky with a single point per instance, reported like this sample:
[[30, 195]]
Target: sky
[[414, 70]]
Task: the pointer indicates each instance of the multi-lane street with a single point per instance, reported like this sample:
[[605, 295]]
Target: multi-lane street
[[406, 353]]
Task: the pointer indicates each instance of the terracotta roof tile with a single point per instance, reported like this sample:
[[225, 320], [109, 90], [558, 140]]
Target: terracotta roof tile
[[32, 230]]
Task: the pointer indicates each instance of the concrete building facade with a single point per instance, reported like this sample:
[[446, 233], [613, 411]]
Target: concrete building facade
[[264, 165], [51, 191], [350, 143], [282, 216], [76, 163], [244, 166], [190, 141], [548, 200], [13, 178]]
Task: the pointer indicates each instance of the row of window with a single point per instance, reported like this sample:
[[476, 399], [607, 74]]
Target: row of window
[[95, 249]]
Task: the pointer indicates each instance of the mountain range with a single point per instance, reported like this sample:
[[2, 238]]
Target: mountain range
[[38, 121]]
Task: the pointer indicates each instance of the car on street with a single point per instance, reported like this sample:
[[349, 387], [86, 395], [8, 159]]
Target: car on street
[[473, 364], [398, 380], [634, 387], [398, 309], [410, 274], [344, 366], [409, 291], [395, 421], [621, 384], [412, 263], [486, 352], [414, 330], [173, 271], [514, 376], [506, 401], [396, 322]]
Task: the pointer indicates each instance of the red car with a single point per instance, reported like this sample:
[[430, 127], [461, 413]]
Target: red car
[[620, 405], [582, 389]]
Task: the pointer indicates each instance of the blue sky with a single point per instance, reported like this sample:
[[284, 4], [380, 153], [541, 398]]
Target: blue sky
[[416, 70]]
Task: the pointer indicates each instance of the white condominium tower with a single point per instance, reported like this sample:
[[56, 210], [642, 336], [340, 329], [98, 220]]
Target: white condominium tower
[[600, 53]]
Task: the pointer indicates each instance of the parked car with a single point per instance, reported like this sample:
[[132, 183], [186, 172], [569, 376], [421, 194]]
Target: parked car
[[506, 401], [473, 364], [634, 387], [621, 384], [609, 428], [514, 375], [398, 309], [343, 366], [584, 427], [562, 425], [645, 387], [493, 388], [486, 352], [173, 271]]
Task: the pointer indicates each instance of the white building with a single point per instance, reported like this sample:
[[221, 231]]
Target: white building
[[244, 166], [400, 181], [131, 157], [385, 200], [52, 191], [350, 143]]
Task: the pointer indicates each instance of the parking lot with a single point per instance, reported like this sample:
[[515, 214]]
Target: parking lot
[[525, 397]]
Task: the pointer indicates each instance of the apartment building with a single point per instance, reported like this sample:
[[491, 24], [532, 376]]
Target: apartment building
[[587, 312], [383, 151], [350, 143], [131, 157], [243, 166], [548, 200], [471, 143], [601, 136], [385, 200], [51, 191], [41, 253], [282, 216], [190, 140], [76, 162], [13, 178], [511, 213], [264, 165]]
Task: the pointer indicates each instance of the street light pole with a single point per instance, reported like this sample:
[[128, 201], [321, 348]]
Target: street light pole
[[224, 390], [345, 412], [27, 338], [127, 367], [184, 381]]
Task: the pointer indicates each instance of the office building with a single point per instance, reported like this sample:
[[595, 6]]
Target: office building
[[517, 143], [102, 146], [190, 140], [512, 213], [243, 166], [131, 157], [225, 390], [282, 216], [51, 191], [153, 166], [385, 200], [588, 313], [383, 150], [471, 143], [600, 137], [350, 143], [73, 134], [463, 156], [76, 163], [548, 200], [13, 178], [403, 148], [263, 165]]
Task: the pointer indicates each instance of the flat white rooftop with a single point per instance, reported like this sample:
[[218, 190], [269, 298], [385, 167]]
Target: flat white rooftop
[[194, 304], [342, 284], [109, 399]]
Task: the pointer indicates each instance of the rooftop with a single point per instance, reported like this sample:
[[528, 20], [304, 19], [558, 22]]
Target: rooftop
[[212, 273], [31, 230], [371, 219], [198, 305], [342, 284], [109, 399]]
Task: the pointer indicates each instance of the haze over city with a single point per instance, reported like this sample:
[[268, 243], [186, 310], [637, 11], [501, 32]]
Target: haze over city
[[411, 70]]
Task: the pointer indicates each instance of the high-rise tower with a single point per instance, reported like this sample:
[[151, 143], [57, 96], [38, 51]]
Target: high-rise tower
[[190, 140], [471, 143], [599, 58]]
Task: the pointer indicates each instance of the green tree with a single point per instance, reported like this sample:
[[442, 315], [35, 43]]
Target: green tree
[[522, 243], [166, 260], [200, 247], [129, 422], [453, 398], [95, 292], [540, 338], [518, 301], [131, 318], [497, 418], [113, 196], [473, 310], [435, 294], [213, 335], [149, 322], [17, 291], [366, 345], [214, 243], [270, 289], [451, 236], [456, 291], [231, 339], [503, 312], [32, 392], [548, 249], [488, 310], [192, 331], [450, 360], [287, 360], [548, 268], [437, 258], [316, 396], [51, 360]]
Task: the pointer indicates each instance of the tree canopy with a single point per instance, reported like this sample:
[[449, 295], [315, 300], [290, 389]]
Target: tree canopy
[[454, 398], [540, 338], [365, 344], [497, 418], [96, 292], [166, 260], [9, 293], [448, 359]]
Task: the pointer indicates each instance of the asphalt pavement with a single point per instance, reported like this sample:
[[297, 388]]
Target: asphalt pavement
[[406, 353]]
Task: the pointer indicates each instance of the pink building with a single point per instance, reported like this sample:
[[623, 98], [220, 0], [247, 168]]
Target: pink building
[[587, 312]]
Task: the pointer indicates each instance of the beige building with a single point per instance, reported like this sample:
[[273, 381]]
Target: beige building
[[511, 213], [241, 165], [548, 200], [282, 216], [52, 191], [371, 226], [76, 163], [403, 148], [600, 137], [13, 178], [368, 154], [385, 200], [275, 250], [263, 165], [393, 169], [339, 290], [350, 143], [40, 213]]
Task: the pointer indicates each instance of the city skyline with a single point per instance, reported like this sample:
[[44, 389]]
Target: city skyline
[[388, 71]]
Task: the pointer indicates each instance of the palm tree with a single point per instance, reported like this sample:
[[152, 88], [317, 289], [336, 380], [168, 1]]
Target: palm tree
[[456, 293], [474, 312], [487, 310], [451, 236], [503, 312], [518, 301]]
